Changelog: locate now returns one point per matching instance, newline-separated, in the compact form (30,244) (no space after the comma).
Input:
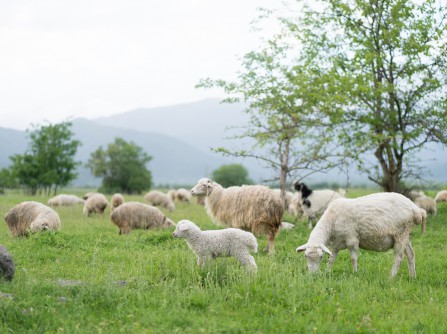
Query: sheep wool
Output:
(208,245)
(7,268)
(116,200)
(31,216)
(134,215)
(158,198)
(426,203)
(96,203)
(65,200)
(441,196)
(183,195)
(377,222)
(257,209)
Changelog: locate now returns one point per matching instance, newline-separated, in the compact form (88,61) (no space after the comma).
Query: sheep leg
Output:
(398,256)
(353,251)
(332,259)
(410,257)
(271,243)
(201,260)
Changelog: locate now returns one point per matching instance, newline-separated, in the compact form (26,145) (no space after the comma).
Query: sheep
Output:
(33,217)
(441,196)
(96,203)
(287,226)
(295,208)
(183,195)
(116,200)
(208,245)
(134,215)
(413,194)
(201,200)
(314,202)
(376,222)
(63,199)
(426,203)
(252,208)
(7,268)
(157,198)
(171,194)
(89,194)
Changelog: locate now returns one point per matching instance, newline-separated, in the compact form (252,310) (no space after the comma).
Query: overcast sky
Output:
(90,58)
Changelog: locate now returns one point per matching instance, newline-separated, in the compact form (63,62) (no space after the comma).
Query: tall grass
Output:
(149,282)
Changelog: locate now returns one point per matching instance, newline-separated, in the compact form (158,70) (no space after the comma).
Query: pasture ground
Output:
(88,279)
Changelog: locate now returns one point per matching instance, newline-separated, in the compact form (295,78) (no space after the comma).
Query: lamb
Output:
(157,198)
(183,195)
(96,203)
(426,203)
(295,208)
(134,215)
(63,199)
(171,194)
(31,217)
(7,268)
(314,202)
(376,222)
(441,196)
(116,201)
(89,194)
(252,208)
(208,245)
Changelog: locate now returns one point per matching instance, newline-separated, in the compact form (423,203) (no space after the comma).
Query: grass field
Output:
(149,282)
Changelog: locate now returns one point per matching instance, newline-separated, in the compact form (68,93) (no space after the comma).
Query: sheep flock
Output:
(378,222)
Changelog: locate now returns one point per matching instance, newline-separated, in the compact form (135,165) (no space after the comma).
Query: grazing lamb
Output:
(257,209)
(96,203)
(89,194)
(314,202)
(64,199)
(157,198)
(183,195)
(7,268)
(208,245)
(33,217)
(413,194)
(116,201)
(426,203)
(441,196)
(376,222)
(134,215)
(171,194)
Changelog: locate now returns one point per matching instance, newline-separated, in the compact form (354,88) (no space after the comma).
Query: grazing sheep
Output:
(64,199)
(96,203)
(116,201)
(171,194)
(7,268)
(257,209)
(288,197)
(33,217)
(376,222)
(157,198)
(134,215)
(208,245)
(295,208)
(89,194)
(426,203)
(287,226)
(413,194)
(441,196)
(314,202)
(183,195)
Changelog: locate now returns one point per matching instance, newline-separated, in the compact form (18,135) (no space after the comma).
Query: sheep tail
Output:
(421,219)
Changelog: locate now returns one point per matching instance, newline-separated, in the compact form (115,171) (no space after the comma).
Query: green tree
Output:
(7,179)
(231,175)
(122,167)
(384,65)
(49,162)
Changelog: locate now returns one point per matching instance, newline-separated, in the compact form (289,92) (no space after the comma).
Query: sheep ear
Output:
(183,227)
(325,249)
(302,248)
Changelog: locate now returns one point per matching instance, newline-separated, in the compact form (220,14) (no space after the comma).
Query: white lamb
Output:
(208,245)
(65,200)
(441,196)
(314,202)
(376,222)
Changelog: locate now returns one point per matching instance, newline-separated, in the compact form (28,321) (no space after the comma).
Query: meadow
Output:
(88,279)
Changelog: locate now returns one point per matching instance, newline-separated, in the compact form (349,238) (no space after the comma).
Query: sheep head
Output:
(202,188)
(168,223)
(183,228)
(314,254)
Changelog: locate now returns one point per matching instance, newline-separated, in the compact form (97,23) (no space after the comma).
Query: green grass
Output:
(149,282)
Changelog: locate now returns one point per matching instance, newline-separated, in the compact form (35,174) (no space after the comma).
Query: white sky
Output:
(91,58)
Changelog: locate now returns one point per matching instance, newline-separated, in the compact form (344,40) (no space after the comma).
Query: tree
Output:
(49,162)
(122,167)
(384,64)
(231,175)
(7,180)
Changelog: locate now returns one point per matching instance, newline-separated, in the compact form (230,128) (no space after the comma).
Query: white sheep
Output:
(134,215)
(96,203)
(116,200)
(158,198)
(183,195)
(287,226)
(376,222)
(208,245)
(31,216)
(65,200)
(314,202)
(295,208)
(426,203)
(441,196)
(252,208)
